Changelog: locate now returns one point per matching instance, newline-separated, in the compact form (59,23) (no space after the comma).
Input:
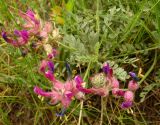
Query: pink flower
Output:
(133,85)
(46,30)
(128,96)
(117,92)
(21,38)
(32,23)
(47,68)
(52,54)
(61,92)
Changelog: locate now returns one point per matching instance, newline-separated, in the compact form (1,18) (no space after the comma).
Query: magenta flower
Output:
(21,38)
(32,23)
(117,92)
(133,85)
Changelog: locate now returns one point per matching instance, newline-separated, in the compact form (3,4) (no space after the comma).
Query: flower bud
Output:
(128,96)
(132,85)
(117,92)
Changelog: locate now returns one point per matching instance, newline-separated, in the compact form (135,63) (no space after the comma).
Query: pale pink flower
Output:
(128,96)
(133,85)
(46,30)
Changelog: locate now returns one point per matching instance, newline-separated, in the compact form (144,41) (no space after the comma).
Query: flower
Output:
(126,104)
(61,92)
(133,85)
(46,30)
(117,92)
(32,23)
(21,38)
(128,96)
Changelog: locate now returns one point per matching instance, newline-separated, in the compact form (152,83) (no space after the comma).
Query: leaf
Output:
(146,90)
(118,71)
(70,5)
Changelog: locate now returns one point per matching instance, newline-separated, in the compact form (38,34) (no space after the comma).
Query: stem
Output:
(97,17)
(150,69)
(102,109)
(67,47)
(85,76)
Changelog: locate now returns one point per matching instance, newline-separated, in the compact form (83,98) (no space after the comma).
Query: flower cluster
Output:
(102,83)
(62,92)
(107,82)
(32,27)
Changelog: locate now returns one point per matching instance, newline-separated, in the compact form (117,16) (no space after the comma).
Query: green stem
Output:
(150,69)
(97,17)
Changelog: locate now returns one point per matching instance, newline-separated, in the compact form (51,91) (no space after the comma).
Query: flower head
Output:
(133,85)
(61,92)
(32,23)
(128,96)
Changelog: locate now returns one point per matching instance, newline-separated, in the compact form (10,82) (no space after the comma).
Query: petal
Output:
(127,104)
(30,14)
(78,79)
(46,29)
(58,85)
(43,66)
(117,92)
(49,75)
(115,83)
(100,91)
(51,66)
(39,91)
(107,70)
(134,76)
(66,101)
(79,82)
